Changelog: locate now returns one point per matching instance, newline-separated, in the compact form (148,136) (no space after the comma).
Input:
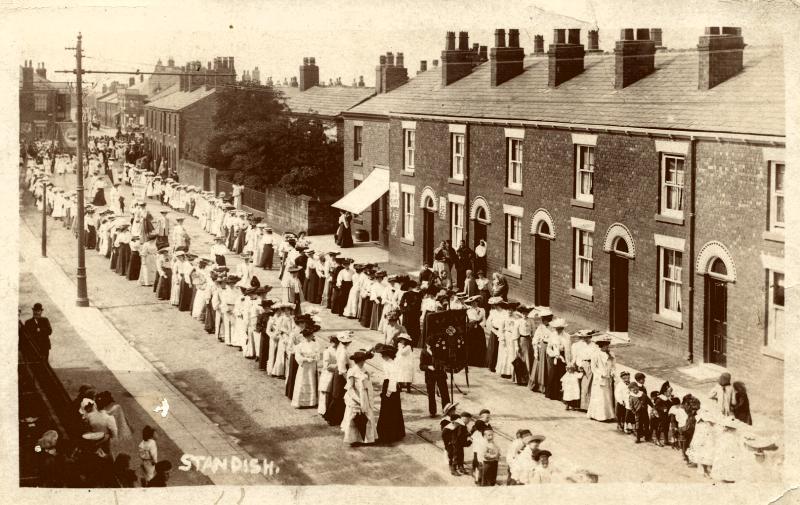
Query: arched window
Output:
(430,204)
(718,268)
(480,214)
(544,228)
(621,246)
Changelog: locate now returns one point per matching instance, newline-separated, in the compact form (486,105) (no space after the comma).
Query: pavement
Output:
(251,411)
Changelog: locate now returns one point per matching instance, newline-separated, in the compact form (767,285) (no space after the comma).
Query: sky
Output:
(347,37)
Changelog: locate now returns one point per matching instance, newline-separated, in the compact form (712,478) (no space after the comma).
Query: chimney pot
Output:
(513,37)
(476,48)
(712,30)
(450,41)
(389,59)
(626,34)
(305,61)
(574,36)
(423,66)
(655,36)
(399,61)
(726,30)
(311,60)
(538,44)
(642,34)
(594,41)
(463,41)
(435,63)
(382,60)
(559,36)
(360,81)
(484,54)
(500,38)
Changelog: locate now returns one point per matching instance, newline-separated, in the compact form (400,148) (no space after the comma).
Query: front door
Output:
(375,219)
(716,321)
(542,268)
(427,236)
(479,234)
(618,316)
(385,220)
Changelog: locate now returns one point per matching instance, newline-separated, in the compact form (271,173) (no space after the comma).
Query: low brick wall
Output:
(198,175)
(286,212)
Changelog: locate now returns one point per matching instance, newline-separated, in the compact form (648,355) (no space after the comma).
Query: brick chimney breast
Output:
(633,59)
(394,75)
(720,55)
(463,41)
(506,62)
(309,74)
(656,36)
(456,63)
(565,59)
(423,66)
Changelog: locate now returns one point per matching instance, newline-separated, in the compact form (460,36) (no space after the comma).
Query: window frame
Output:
(513,222)
(662,309)
(579,258)
(409,149)
(38,100)
(408,200)
(774,194)
(358,142)
(512,164)
(456,228)
(457,159)
(771,329)
(580,170)
(666,186)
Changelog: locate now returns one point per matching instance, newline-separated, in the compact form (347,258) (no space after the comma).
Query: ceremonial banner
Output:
(68,136)
(447,332)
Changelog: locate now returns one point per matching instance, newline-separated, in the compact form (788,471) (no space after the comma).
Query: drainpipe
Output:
(692,184)
(466,186)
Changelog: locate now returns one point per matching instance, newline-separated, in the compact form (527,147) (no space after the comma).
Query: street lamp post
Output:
(83,298)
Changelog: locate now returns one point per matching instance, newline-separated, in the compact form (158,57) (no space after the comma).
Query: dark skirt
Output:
(164,285)
(334,409)
(134,265)
(210,320)
(312,285)
(123,259)
(231,239)
(185,297)
(91,238)
(491,352)
(263,351)
(331,294)
(377,312)
(366,312)
(344,236)
(155,282)
(291,375)
(553,383)
(99,199)
(114,258)
(266,257)
(411,323)
(320,289)
(342,293)
(476,345)
(391,427)
(220,259)
(239,245)
(194,294)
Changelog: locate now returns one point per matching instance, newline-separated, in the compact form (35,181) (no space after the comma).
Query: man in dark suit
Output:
(38,329)
(435,378)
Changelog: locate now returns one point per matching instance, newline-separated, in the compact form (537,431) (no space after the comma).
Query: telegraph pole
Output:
(83,298)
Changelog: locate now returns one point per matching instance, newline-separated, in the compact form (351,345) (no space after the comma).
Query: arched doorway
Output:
(716,312)
(618,299)
(479,228)
(428,220)
(541,260)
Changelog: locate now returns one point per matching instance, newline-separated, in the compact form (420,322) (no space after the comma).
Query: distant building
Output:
(42,103)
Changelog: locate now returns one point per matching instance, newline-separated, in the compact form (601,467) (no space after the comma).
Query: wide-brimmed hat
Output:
(361,355)
(495,300)
(450,406)
(558,323)
(539,454)
(345,337)
(405,337)
(293,269)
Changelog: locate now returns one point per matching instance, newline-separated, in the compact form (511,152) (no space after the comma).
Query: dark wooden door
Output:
(385,219)
(375,221)
(479,233)
(618,309)
(542,268)
(427,236)
(716,320)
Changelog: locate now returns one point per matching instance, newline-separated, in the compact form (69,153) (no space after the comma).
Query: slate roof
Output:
(327,101)
(41,84)
(181,99)
(163,93)
(751,102)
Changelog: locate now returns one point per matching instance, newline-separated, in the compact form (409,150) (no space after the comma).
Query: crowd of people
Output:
(519,343)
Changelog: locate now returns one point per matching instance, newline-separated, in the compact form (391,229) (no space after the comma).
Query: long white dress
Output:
(325,377)
(359,397)
(241,318)
(351,308)
(305,383)
(405,364)
(601,402)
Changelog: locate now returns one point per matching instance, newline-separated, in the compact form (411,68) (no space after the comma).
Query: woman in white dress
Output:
(305,383)
(601,401)
(405,362)
(351,307)
(148,253)
(326,375)
(275,329)
(284,334)
(359,399)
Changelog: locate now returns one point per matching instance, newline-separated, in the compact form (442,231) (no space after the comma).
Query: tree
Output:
(258,141)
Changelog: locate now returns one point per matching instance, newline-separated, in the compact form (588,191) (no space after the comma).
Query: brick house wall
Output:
(374,151)
(196,127)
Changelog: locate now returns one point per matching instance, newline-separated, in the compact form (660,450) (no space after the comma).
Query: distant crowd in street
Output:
(519,343)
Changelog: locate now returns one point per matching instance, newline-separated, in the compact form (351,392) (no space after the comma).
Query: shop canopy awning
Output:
(373,187)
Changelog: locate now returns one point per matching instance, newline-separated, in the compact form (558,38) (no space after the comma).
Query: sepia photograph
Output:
(413,248)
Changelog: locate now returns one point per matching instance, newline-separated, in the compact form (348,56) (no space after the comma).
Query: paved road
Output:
(251,408)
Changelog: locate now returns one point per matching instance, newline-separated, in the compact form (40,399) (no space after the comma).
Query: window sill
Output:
(358,163)
(406,241)
(583,295)
(358,221)
(668,321)
(772,353)
(773,236)
(667,219)
(581,203)
(512,191)
(512,273)
(407,173)
(457,182)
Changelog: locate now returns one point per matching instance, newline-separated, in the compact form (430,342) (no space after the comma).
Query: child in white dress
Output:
(570,384)
(404,362)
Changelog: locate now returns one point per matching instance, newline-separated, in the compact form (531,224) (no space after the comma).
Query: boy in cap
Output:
(622,399)
(448,426)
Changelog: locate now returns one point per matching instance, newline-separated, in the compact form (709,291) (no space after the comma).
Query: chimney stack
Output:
(456,63)
(594,42)
(720,54)
(565,58)
(132,81)
(483,54)
(655,36)
(293,82)
(506,62)
(171,62)
(538,45)
(309,74)
(360,81)
(435,63)
(41,71)
(141,77)
(182,80)
(395,74)
(27,75)
(633,59)
(379,70)
(423,66)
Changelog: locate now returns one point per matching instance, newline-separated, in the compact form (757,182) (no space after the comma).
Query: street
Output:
(251,409)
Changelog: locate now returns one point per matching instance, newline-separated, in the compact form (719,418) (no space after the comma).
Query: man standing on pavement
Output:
(39,330)
(435,377)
